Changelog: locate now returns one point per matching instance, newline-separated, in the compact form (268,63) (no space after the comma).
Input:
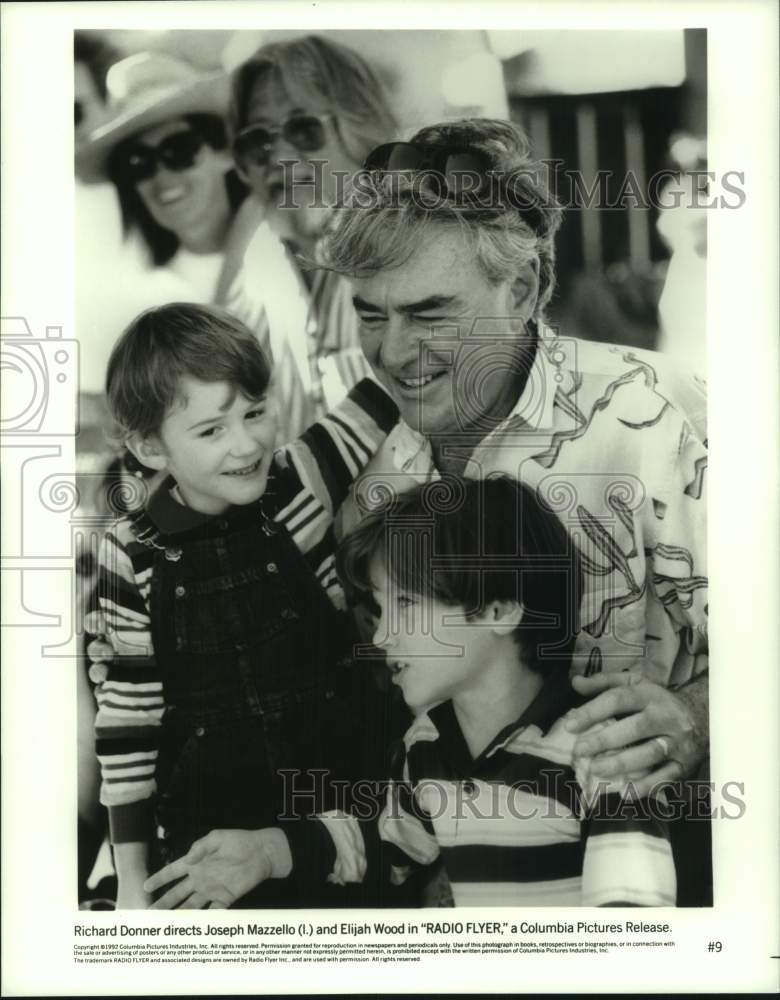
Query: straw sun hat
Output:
(144,90)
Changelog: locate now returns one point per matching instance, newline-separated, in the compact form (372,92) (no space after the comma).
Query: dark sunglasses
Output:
(252,146)
(177,152)
(456,168)
(457,173)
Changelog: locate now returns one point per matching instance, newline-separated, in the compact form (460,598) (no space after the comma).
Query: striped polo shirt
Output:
(520,824)
(309,479)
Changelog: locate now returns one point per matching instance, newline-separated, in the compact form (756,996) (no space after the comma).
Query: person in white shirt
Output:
(163,145)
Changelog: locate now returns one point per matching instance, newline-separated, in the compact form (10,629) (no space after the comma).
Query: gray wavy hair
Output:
(382,222)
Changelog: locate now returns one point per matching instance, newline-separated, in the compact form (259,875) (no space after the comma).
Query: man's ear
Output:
(525,290)
(504,616)
(148,450)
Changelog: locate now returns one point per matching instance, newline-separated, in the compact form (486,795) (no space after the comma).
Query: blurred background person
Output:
(93,57)
(682,224)
(317,105)
(164,147)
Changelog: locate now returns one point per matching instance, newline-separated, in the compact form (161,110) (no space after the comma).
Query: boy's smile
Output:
(218,445)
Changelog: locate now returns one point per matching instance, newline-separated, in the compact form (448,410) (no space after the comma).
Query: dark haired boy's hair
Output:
(468,543)
(162,345)
(162,243)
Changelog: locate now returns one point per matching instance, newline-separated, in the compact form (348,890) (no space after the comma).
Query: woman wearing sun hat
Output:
(164,147)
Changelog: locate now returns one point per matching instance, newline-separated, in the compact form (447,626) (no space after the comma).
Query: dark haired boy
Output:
(220,598)
(476,586)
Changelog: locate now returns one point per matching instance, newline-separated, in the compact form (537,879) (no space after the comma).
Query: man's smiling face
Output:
(445,342)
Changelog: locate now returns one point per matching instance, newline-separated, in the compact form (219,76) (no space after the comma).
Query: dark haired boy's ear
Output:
(148,450)
(525,290)
(504,616)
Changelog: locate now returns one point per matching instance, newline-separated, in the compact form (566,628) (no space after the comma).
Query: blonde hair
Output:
(320,72)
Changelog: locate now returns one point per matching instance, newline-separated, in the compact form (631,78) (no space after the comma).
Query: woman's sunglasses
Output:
(177,152)
(252,146)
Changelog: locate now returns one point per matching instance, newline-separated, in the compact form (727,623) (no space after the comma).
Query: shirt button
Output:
(180,591)
(179,642)
(469,787)
(200,731)
(222,524)
(272,567)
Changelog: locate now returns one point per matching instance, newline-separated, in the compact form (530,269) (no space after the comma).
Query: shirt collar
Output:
(554,699)
(535,404)
(173,517)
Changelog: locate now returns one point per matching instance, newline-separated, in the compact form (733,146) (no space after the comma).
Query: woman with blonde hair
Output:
(304,114)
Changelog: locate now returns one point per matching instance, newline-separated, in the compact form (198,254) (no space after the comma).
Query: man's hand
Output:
(219,869)
(660,735)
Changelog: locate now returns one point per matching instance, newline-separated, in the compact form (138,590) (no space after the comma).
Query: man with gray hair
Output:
(448,242)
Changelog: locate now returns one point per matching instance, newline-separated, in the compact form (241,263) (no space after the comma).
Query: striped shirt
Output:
(310,478)
(520,825)
(614,440)
(306,324)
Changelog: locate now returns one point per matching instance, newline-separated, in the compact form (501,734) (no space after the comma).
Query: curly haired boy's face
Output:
(217,444)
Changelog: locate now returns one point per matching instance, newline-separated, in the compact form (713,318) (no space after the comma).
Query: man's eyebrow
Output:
(364,306)
(409,308)
(427,305)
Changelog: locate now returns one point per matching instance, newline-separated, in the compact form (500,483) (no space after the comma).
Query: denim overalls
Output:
(249,644)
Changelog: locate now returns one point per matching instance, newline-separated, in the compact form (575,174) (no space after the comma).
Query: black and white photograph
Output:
(375,441)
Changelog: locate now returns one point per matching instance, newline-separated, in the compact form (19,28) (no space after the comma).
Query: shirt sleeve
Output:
(677,553)
(403,837)
(332,453)
(408,829)
(129,696)
(315,473)
(627,858)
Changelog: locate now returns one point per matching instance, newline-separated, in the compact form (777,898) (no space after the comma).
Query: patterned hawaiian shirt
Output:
(614,440)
